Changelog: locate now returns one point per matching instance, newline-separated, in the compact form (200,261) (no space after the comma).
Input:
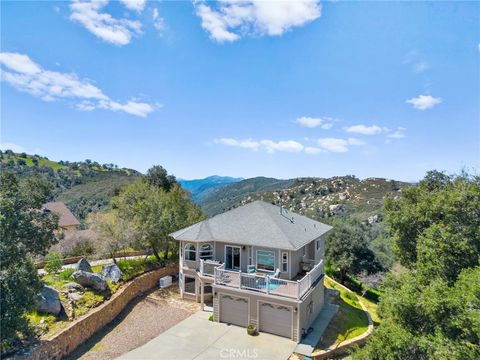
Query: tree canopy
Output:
(347,250)
(433,310)
(25,231)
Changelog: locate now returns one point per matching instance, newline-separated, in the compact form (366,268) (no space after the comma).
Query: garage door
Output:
(276,319)
(234,310)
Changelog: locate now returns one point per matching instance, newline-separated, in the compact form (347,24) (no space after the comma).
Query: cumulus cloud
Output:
(310,122)
(338,145)
(22,73)
(268,145)
(135,5)
(103,25)
(287,146)
(245,144)
(424,102)
(230,20)
(364,129)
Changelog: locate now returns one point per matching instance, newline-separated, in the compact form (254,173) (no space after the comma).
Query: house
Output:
(66,220)
(259,264)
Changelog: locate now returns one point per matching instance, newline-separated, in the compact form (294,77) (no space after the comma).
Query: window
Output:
(265,260)
(190,252)
(318,244)
(284,261)
(206,252)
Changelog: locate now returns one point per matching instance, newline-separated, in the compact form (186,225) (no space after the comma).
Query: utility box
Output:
(165,282)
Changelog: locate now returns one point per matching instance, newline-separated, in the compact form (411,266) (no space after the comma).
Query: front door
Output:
(232,257)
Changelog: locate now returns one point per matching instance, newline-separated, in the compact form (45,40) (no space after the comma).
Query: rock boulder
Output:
(83,265)
(72,287)
(112,272)
(48,301)
(89,279)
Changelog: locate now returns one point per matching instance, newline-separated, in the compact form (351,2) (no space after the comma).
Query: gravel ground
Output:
(142,320)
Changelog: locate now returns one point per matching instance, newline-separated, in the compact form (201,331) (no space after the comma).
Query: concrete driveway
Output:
(198,338)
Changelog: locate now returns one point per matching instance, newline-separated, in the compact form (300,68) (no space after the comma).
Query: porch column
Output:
(202,302)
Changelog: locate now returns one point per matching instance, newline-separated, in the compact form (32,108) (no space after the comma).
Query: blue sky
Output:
(281,89)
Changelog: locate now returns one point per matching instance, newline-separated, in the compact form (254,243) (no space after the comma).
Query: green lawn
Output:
(350,320)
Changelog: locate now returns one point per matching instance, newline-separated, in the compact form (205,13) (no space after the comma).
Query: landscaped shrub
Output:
(54,262)
(133,267)
(82,248)
(65,274)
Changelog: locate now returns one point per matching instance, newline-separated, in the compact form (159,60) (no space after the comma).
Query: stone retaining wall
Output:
(345,346)
(64,342)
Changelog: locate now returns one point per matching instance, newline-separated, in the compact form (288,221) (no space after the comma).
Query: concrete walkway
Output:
(308,344)
(198,338)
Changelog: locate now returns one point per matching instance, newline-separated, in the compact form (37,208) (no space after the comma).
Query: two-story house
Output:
(261,264)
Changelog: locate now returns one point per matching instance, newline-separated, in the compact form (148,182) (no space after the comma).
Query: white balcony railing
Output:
(207,267)
(267,284)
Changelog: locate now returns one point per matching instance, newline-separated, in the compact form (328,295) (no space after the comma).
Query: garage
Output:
(234,310)
(276,319)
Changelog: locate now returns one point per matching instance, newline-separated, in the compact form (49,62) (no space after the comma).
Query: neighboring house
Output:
(66,220)
(261,264)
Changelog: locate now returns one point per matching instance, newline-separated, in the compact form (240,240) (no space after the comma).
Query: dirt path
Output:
(142,320)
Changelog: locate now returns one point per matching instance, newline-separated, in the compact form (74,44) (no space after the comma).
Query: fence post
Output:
(201,266)
(240,279)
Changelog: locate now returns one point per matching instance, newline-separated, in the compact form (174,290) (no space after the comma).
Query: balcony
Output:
(267,284)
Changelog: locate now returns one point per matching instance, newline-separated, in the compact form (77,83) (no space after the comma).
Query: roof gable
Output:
(257,223)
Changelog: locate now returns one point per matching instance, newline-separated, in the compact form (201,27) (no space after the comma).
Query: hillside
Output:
(345,195)
(199,188)
(84,186)
(219,199)
(314,197)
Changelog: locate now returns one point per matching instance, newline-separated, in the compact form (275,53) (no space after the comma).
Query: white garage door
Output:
(276,319)
(234,310)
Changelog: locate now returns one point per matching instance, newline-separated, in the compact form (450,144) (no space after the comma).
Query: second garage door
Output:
(233,310)
(276,319)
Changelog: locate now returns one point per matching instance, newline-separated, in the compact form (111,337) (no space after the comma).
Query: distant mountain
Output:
(221,198)
(199,188)
(315,197)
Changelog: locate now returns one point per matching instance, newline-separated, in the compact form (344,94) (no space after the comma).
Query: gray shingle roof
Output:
(66,218)
(257,223)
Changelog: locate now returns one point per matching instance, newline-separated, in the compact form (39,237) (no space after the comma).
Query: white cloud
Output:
(416,61)
(14,147)
(287,146)
(306,121)
(158,21)
(25,75)
(424,102)
(333,144)
(231,20)
(245,144)
(338,145)
(135,5)
(397,134)
(268,145)
(313,150)
(292,146)
(364,129)
(103,25)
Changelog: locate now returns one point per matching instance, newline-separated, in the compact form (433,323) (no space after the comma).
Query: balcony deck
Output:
(268,284)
